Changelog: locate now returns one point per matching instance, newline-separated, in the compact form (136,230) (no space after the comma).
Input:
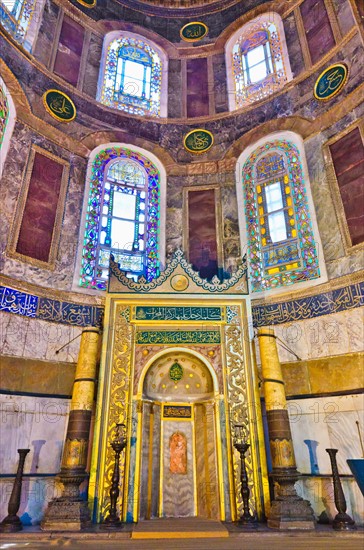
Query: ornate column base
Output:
(68,512)
(288,510)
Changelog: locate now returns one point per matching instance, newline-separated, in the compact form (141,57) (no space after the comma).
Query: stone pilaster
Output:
(288,510)
(70,511)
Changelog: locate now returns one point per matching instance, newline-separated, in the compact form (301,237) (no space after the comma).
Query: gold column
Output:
(288,510)
(69,511)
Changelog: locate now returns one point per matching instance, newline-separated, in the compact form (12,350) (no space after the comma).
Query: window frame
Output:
(235,70)
(105,94)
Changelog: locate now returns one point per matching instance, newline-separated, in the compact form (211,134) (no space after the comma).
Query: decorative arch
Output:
(117,171)
(279,225)
(177,349)
(133,75)
(7,122)
(257,60)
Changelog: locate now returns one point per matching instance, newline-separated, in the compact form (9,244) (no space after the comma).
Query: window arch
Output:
(133,75)
(21,18)
(7,121)
(122,217)
(257,61)
(280,226)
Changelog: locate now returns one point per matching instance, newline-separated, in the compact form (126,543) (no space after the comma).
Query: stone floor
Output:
(324,538)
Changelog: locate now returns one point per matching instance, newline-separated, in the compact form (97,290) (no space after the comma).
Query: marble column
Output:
(70,511)
(288,510)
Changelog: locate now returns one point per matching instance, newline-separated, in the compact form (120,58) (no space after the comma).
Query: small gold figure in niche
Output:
(178,453)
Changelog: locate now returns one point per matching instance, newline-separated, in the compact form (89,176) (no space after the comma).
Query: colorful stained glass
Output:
(4,114)
(122,217)
(15,16)
(281,243)
(258,67)
(133,77)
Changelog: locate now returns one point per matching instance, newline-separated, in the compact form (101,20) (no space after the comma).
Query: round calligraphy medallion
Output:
(87,3)
(179,282)
(59,105)
(331,81)
(176,372)
(193,31)
(198,141)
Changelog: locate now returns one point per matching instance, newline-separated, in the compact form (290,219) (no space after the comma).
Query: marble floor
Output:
(323,538)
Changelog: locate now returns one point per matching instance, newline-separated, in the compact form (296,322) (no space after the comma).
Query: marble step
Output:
(188,528)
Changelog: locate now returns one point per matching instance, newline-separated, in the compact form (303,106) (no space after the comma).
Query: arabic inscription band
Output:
(193,31)
(59,105)
(198,141)
(331,81)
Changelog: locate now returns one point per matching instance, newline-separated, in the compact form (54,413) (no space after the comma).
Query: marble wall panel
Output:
(326,422)
(36,339)
(334,334)
(35,495)
(35,423)
(92,66)
(178,492)
(62,276)
(320,493)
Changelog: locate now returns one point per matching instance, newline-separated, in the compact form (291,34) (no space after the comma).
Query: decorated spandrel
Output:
(122,217)
(132,79)
(15,16)
(198,141)
(4,114)
(331,81)
(257,63)
(193,31)
(282,249)
(59,105)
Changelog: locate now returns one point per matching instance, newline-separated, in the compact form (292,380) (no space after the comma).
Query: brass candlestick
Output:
(247,520)
(112,521)
(342,520)
(12,522)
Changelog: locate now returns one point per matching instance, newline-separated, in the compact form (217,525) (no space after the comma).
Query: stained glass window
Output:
(15,16)
(257,62)
(132,77)
(4,114)
(122,217)
(281,243)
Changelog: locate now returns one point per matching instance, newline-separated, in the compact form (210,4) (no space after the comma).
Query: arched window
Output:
(7,121)
(133,74)
(19,18)
(283,244)
(257,60)
(122,217)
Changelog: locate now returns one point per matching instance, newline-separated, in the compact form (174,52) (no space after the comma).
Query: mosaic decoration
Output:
(15,17)
(95,259)
(237,284)
(133,77)
(47,309)
(341,299)
(194,31)
(331,81)
(4,114)
(294,258)
(198,141)
(178,337)
(176,372)
(59,105)
(166,313)
(249,87)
